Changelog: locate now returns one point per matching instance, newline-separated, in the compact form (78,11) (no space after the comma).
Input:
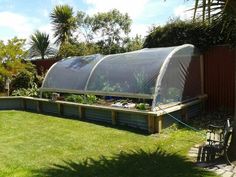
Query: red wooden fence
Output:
(43,65)
(219,78)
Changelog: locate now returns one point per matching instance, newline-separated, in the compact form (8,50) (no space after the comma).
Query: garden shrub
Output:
(22,80)
(33,91)
(178,32)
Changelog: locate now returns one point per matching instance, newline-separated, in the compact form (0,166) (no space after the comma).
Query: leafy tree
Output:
(177,32)
(40,45)
(64,23)
(112,27)
(85,26)
(12,55)
(77,49)
(135,43)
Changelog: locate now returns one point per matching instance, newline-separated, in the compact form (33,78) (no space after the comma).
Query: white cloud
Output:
(21,26)
(133,7)
(139,29)
(49,30)
(183,12)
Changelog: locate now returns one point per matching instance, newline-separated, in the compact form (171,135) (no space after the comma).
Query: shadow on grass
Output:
(128,164)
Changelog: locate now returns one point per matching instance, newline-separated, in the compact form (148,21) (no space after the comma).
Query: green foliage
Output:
(84,99)
(178,32)
(12,55)
(22,80)
(33,91)
(142,106)
(110,27)
(140,79)
(135,43)
(74,98)
(77,49)
(64,23)
(40,45)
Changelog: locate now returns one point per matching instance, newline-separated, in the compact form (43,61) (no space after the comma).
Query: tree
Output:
(40,45)
(135,43)
(12,55)
(112,27)
(85,26)
(64,23)
(77,49)
(177,32)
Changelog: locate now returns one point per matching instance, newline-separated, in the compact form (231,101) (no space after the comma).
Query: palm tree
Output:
(40,45)
(215,9)
(64,23)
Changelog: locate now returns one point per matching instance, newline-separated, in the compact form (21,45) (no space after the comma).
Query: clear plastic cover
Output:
(71,73)
(134,72)
(169,74)
(182,78)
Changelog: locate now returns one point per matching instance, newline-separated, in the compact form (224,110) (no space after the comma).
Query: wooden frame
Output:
(152,122)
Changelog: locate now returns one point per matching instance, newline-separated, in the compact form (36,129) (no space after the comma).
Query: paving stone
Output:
(227,174)
(234,170)
(195,149)
(192,155)
(228,168)
(221,166)
(219,171)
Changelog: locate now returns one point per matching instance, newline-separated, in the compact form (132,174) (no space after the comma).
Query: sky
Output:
(22,18)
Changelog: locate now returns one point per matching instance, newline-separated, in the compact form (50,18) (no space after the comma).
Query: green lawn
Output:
(38,145)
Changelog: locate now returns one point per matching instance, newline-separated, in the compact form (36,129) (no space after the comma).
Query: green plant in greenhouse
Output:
(74,98)
(142,106)
(140,79)
(89,99)
(84,99)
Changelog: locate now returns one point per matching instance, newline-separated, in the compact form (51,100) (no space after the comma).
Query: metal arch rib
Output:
(90,75)
(163,70)
(46,77)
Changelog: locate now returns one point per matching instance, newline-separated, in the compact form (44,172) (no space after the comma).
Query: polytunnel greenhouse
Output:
(162,75)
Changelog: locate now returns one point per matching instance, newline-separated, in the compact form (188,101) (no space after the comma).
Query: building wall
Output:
(219,78)
(43,65)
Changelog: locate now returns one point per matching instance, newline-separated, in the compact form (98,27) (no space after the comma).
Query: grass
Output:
(38,145)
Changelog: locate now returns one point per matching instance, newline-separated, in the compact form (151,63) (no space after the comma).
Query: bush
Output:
(178,32)
(33,91)
(22,80)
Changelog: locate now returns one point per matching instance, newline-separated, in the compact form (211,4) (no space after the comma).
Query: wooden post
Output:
(159,122)
(81,112)
(184,115)
(38,106)
(23,104)
(151,124)
(60,109)
(113,117)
